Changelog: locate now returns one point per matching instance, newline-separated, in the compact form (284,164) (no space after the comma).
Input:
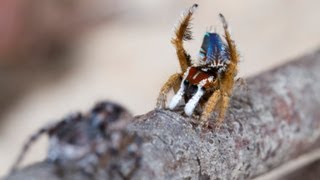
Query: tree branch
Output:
(308,172)
(274,121)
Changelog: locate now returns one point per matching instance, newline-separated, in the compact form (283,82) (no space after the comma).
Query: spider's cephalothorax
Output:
(208,81)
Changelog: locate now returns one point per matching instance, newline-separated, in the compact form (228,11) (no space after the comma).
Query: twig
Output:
(276,120)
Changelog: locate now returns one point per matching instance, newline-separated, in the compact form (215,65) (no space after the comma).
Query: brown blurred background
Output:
(61,56)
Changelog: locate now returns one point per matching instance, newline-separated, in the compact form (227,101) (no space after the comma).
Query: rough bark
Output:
(275,120)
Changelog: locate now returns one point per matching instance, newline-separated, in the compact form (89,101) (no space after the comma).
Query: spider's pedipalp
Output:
(193,102)
(177,97)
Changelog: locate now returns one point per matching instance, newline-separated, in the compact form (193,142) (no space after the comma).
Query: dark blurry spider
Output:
(97,143)
(209,80)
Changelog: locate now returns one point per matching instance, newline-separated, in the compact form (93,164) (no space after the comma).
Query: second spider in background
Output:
(208,81)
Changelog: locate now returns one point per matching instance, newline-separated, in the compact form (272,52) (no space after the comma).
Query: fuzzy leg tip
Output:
(159,106)
(223,20)
(193,7)
(204,124)
(217,126)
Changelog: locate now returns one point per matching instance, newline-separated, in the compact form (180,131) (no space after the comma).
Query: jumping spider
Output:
(98,143)
(209,80)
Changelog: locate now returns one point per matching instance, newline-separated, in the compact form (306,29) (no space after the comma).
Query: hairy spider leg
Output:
(171,82)
(229,75)
(234,56)
(183,33)
(44,130)
(227,80)
(209,107)
(224,106)
(28,144)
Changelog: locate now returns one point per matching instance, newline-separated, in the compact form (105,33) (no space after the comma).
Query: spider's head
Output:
(213,50)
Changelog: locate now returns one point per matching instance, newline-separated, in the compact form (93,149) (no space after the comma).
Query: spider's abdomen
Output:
(214,51)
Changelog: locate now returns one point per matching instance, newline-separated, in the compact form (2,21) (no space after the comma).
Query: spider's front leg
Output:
(29,143)
(182,33)
(171,82)
(51,128)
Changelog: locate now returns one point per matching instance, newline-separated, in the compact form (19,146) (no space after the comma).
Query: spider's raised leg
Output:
(28,144)
(171,82)
(44,130)
(183,33)
(226,82)
(234,56)
(209,107)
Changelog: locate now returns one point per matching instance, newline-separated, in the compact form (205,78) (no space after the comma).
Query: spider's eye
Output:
(186,82)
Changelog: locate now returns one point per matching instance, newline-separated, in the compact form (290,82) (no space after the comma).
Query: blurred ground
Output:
(128,58)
